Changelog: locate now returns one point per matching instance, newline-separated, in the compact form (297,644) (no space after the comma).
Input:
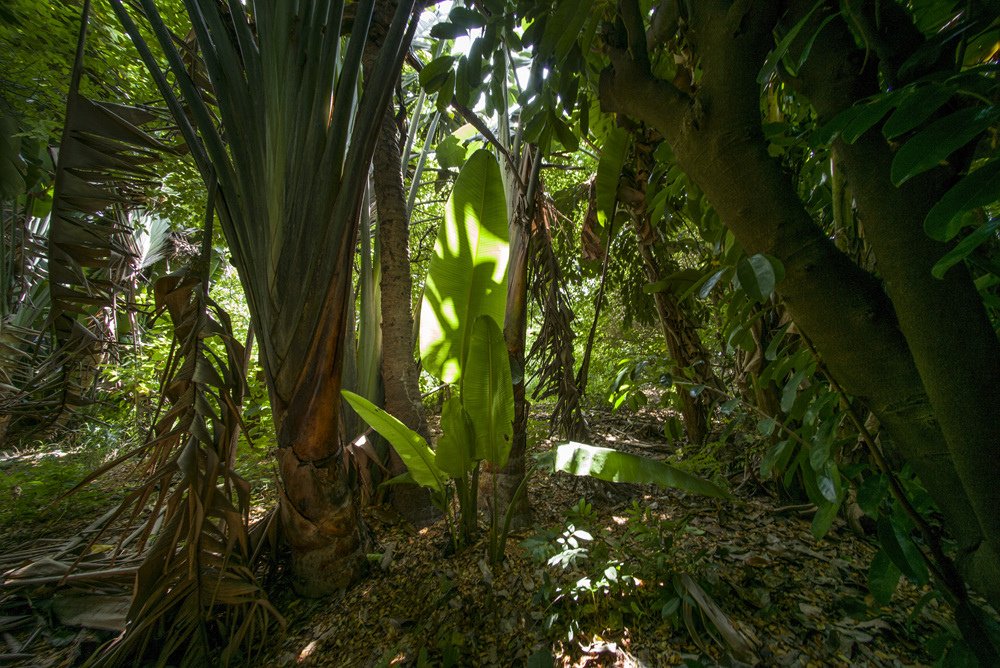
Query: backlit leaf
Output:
(488,393)
(616,466)
(609,171)
(456,449)
(467,274)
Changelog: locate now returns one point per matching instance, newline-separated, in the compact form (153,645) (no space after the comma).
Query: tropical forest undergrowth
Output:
(606,575)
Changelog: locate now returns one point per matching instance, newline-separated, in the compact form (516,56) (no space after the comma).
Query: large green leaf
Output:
(467,275)
(609,171)
(916,108)
(456,449)
(883,577)
(411,447)
(616,466)
(964,248)
(758,276)
(939,140)
(854,121)
(782,47)
(488,393)
(564,28)
(901,551)
(979,188)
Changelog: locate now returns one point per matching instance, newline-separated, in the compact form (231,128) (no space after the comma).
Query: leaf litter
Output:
(773,595)
(792,600)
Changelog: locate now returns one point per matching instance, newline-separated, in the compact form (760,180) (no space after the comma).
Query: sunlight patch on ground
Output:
(307,651)
(32,457)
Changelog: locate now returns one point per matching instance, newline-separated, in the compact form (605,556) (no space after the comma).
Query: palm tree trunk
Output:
(320,518)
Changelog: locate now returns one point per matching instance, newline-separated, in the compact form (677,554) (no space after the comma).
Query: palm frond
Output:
(292,184)
(196,597)
(102,174)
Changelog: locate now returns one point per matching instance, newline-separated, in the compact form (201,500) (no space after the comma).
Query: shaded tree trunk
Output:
(717,138)
(400,372)
(945,325)
(686,351)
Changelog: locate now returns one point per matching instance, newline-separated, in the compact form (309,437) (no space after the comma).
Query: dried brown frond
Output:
(553,347)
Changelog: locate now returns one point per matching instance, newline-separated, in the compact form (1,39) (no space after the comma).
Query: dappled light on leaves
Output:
(705,364)
(467,274)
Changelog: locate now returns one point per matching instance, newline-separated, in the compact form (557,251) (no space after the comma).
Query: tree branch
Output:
(664,23)
(628,86)
(636,35)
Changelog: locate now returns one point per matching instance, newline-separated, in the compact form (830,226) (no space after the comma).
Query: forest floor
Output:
(591,583)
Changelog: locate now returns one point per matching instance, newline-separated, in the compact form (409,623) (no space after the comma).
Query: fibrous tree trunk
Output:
(320,519)
(716,136)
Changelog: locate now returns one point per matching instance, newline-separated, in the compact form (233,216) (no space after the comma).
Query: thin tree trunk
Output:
(522,209)
(688,354)
(686,350)
(510,477)
(583,375)
(399,367)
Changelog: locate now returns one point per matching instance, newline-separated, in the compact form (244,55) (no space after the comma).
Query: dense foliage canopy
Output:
(769,227)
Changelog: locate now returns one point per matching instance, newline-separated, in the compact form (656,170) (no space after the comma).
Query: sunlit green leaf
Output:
(435,73)
(616,466)
(408,444)
(467,274)
(488,393)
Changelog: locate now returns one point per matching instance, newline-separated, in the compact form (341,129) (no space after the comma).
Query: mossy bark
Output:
(953,344)
(716,135)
